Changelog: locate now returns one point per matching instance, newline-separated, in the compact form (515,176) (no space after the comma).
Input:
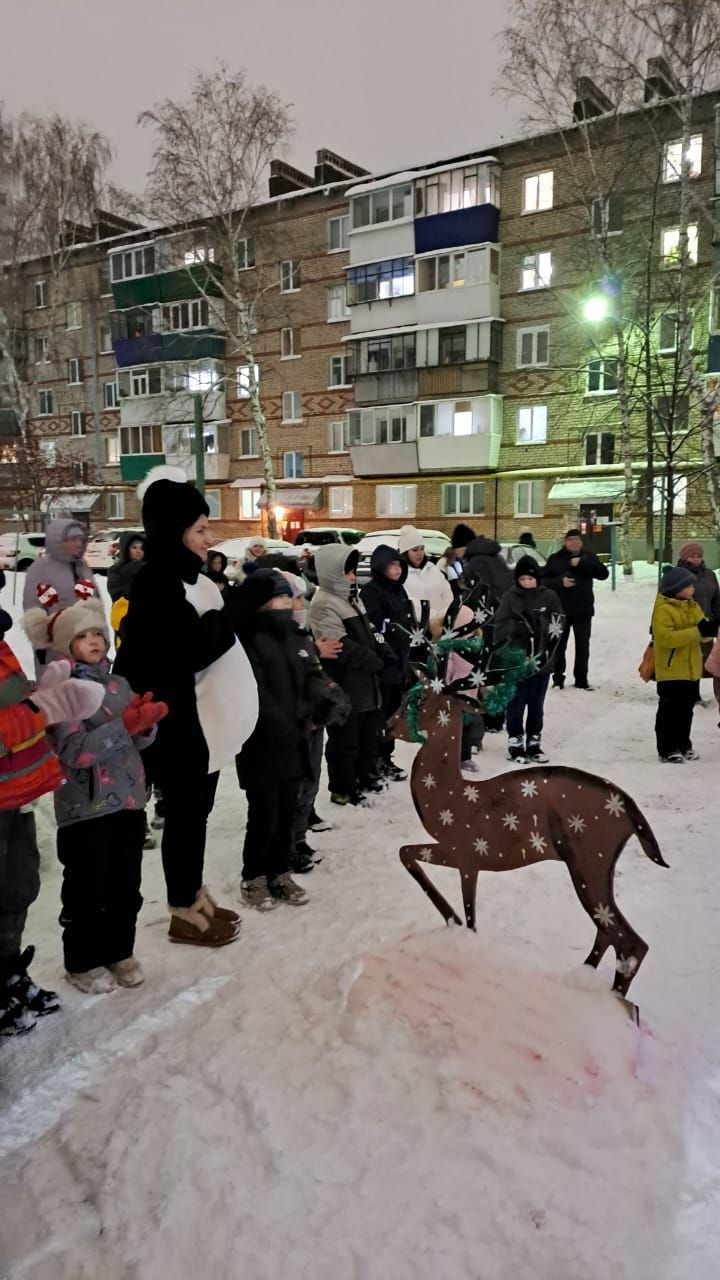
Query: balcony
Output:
(179,442)
(441,435)
(153,347)
(713,360)
(135,466)
(168,286)
(171,406)
(385,459)
(386,388)
(479,377)
(460,453)
(477,225)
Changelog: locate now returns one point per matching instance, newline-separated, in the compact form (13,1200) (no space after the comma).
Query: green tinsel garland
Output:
(516,667)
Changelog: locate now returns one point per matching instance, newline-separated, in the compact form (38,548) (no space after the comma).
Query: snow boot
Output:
(535,753)
(316,823)
(284,889)
(127,973)
(469,766)
(373,786)
(392,772)
(194,926)
(20,985)
(673,757)
(558,682)
(15,1019)
(94,982)
(302,859)
(256,894)
(516,751)
(690,754)
(210,908)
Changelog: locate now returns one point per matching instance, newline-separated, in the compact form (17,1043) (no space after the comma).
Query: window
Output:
(110,395)
(244,380)
(77,422)
(289,276)
(248,504)
(452,345)
(340,501)
(529,497)
(213,497)
(531,424)
(538,192)
(104,278)
(73,315)
(395,499)
(463,499)
(42,350)
(246,254)
(602,375)
(289,344)
(383,354)
(39,293)
(715,309)
(48,452)
(199,252)
(337,307)
(105,337)
(181,316)
(116,506)
(293,465)
(391,424)
(46,403)
(448,418)
(462,188)
(74,371)
(291,406)
(377,281)
(140,382)
(338,371)
(337,234)
(671,245)
(667,332)
(674,160)
(536,271)
(533,347)
(607,216)
(132,262)
(112,451)
(680,488)
(338,437)
(599,449)
(248,442)
(203,377)
(382,206)
(452,270)
(147,439)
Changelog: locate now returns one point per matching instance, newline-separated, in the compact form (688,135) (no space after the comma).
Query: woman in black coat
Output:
(391,613)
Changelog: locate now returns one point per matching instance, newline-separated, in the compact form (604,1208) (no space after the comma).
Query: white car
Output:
(19,550)
(236,551)
(435,543)
(102,548)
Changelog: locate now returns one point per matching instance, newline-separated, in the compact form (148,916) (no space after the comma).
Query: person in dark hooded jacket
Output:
(484,566)
(529,618)
(391,613)
(215,569)
(128,561)
(571,572)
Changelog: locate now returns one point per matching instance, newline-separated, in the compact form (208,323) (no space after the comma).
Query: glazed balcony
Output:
(151,348)
(195,281)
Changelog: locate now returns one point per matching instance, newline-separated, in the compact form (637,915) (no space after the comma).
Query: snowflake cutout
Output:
(576,824)
(425,855)
(448,631)
(538,842)
(528,789)
(447,818)
(603,915)
(510,821)
(471,793)
(626,967)
(417,636)
(481,614)
(615,805)
(481,846)
(443,718)
(437,685)
(478,678)
(555,629)
(429,781)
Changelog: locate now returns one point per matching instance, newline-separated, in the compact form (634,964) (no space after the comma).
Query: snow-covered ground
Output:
(355,1092)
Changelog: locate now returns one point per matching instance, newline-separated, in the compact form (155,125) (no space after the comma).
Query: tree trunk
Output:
(626,450)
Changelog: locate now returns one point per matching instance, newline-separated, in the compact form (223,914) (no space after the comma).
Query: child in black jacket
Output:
(391,613)
(529,618)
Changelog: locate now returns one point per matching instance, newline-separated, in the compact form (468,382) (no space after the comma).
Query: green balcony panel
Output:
(135,466)
(167,286)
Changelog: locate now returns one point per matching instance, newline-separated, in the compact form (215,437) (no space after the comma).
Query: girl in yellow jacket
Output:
(678,627)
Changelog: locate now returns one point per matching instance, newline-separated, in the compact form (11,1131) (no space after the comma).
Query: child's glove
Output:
(59,698)
(84,589)
(142,713)
(47,595)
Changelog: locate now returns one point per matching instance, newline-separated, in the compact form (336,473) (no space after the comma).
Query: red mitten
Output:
(141,716)
(47,595)
(84,589)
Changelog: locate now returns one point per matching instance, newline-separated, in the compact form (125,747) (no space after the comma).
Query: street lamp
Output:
(596,308)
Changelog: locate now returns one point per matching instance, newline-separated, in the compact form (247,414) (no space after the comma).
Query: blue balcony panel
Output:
(154,348)
(462,226)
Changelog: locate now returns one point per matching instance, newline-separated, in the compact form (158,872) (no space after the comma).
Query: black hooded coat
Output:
(391,613)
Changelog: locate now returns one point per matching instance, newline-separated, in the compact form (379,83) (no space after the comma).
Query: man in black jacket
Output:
(390,611)
(570,573)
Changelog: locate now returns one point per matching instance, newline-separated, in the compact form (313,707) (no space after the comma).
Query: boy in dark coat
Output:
(530,618)
(336,613)
(570,573)
(390,611)
(484,566)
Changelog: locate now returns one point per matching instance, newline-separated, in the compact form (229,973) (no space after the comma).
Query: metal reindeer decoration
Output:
(514,819)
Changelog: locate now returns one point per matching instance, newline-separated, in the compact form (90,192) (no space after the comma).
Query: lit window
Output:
(395,499)
(536,271)
(248,504)
(538,192)
(671,245)
(340,501)
(531,424)
(673,158)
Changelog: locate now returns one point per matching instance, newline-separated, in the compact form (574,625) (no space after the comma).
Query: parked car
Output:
(18,550)
(435,542)
(236,551)
(321,537)
(102,548)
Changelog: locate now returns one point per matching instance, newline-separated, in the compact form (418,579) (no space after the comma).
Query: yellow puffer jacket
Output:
(676,639)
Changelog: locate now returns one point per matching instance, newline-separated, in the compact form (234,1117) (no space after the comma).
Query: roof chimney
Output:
(591,101)
(660,81)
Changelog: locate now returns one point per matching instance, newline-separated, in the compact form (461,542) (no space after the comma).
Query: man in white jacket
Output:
(424,581)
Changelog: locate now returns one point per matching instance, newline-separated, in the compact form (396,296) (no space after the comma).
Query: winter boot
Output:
(469,766)
(373,786)
(94,982)
(284,889)
(558,682)
(256,894)
(316,823)
(673,757)
(690,754)
(210,908)
(194,926)
(303,858)
(21,986)
(535,753)
(516,750)
(15,1019)
(393,772)
(127,973)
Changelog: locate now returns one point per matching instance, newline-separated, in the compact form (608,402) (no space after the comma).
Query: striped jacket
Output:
(28,766)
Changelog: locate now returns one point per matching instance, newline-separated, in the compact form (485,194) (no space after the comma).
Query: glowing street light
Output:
(596,308)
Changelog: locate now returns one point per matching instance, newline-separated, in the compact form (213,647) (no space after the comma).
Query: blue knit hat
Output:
(674,578)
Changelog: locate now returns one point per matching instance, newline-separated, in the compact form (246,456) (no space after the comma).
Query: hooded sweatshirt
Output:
(484,566)
(390,611)
(69,580)
(122,573)
(338,614)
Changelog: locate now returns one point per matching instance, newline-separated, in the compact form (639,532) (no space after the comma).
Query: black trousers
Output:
(269,840)
(352,751)
(673,722)
(391,695)
(102,866)
(581,628)
(308,787)
(186,808)
(528,697)
(19,881)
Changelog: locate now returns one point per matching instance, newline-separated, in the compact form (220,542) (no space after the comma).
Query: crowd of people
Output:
(265,672)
